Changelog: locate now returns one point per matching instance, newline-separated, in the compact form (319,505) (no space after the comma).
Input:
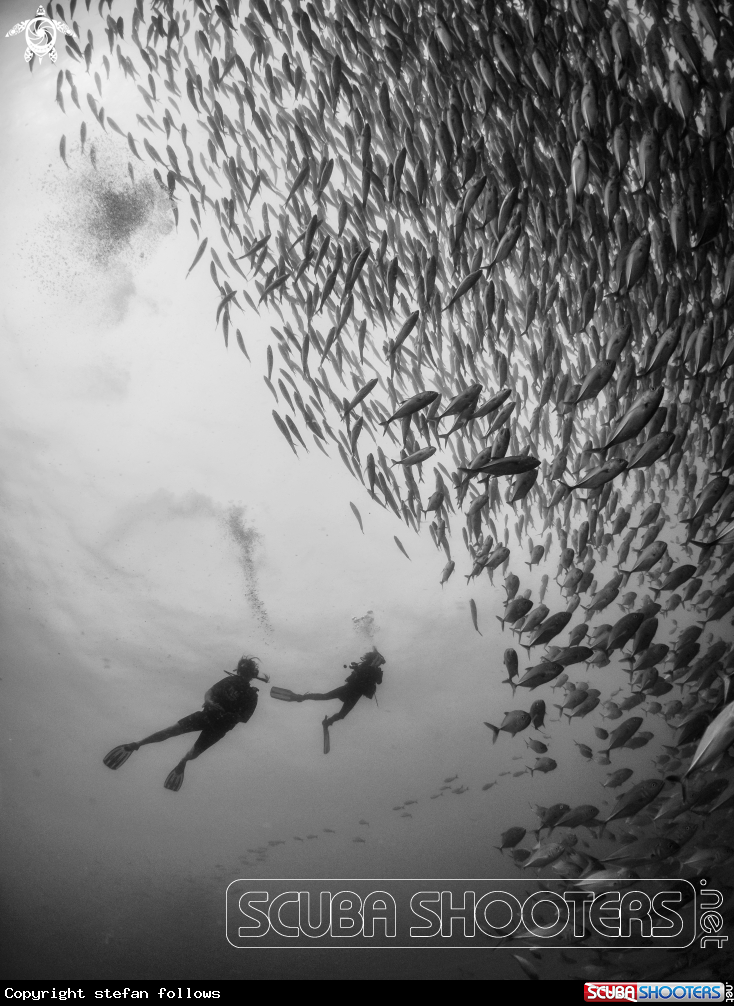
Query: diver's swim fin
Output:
(284,694)
(327,742)
(119,755)
(175,778)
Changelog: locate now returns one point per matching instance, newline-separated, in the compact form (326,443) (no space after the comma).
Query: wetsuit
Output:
(361,682)
(231,701)
(237,699)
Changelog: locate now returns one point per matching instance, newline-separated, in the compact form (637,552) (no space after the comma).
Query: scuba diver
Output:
(227,703)
(365,676)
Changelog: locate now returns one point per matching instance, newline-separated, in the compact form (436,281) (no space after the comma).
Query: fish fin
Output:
(501,621)
(676,780)
(495,731)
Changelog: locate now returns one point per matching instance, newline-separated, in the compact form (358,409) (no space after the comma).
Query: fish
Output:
(515,610)
(594,382)
(653,849)
(473,608)
(537,746)
(708,498)
(544,855)
(648,558)
(536,619)
(634,420)
(600,476)
(356,513)
(199,253)
(549,629)
(361,395)
(447,571)
(511,663)
(416,458)
(537,714)
(540,674)
(410,407)
(513,723)
(528,969)
(511,837)
(619,737)
(511,465)
(400,546)
(582,815)
(543,765)
(635,800)
(618,778)
(717,738)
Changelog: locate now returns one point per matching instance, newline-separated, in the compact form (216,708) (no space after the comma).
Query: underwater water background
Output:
(156,526)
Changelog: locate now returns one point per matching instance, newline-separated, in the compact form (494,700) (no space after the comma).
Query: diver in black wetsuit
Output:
(227,703)
(365,676)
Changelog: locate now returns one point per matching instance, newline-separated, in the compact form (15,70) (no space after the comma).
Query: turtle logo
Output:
(40,34)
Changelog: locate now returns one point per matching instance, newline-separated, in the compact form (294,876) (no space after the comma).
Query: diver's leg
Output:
(349,704)
(336,693)
(119,755)
(207,737)
(163,735)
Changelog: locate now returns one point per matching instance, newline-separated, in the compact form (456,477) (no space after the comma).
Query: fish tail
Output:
(501,621)
(495,731)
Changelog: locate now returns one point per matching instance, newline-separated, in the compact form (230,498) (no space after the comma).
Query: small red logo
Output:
(610,991)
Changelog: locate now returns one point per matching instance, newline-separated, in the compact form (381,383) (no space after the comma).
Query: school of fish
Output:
(499,234)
